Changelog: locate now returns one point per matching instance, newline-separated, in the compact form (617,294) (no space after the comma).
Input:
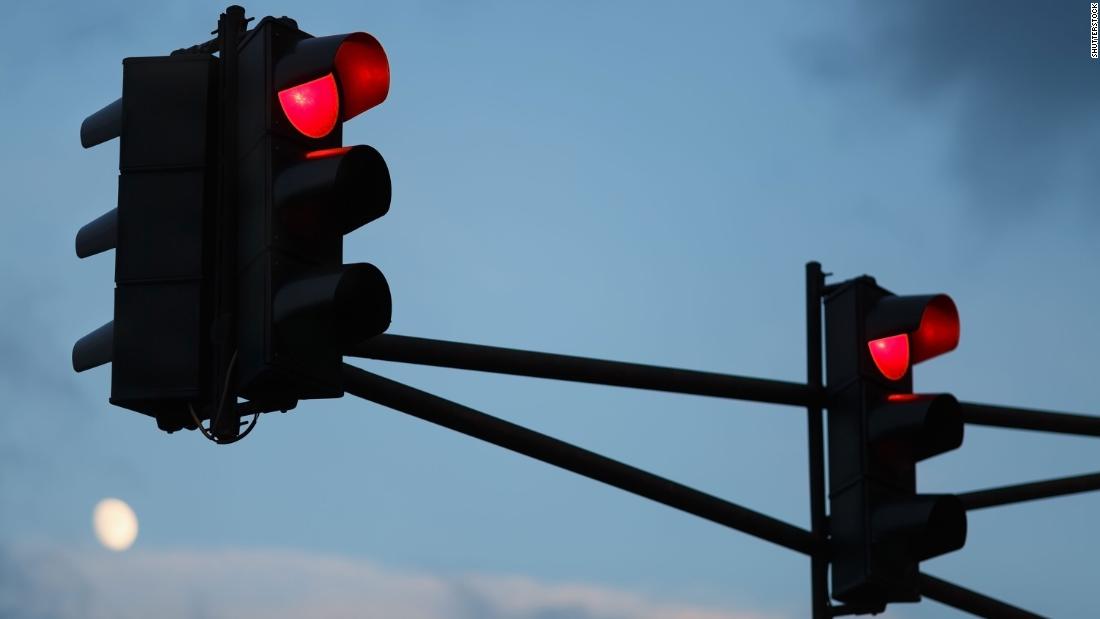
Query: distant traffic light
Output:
(881,528)
(300,191)
(158,342)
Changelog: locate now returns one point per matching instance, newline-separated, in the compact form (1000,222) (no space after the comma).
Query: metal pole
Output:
(1006,495)
(970,601)
(226,427)
(819,562)
(1028,419)
(458,355)
(572,458)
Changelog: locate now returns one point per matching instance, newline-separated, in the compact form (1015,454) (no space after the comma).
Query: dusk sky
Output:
(637,181)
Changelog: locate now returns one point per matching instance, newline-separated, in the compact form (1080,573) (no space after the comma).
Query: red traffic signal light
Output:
(891,355)
(301,190)
(904,331)
(881,528)
(323,80)
(313,107)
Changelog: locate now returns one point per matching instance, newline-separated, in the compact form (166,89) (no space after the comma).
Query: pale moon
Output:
(115,524)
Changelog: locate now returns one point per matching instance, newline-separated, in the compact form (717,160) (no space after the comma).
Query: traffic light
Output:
(158,341)
(300,190)
(235,191)
(880,527)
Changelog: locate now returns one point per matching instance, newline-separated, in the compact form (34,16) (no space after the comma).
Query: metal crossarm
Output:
(1029,419)
(970,601)
(463,356)
(505,434)
(1017,493)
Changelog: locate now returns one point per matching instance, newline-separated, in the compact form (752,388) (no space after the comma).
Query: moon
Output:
(115,524)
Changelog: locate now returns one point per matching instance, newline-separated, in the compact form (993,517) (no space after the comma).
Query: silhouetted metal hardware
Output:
(1029,419)
(970,601)
(815,442)
(158,342)
(878,430)
(1006,495)
(581,461)
(460,355)
(234,194)
(300,192)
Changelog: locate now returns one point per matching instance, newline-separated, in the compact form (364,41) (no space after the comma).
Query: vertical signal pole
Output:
(226,424)
(819,563)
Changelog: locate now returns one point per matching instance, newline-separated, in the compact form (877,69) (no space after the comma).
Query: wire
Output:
(225,388)
(210,435)
(221,406)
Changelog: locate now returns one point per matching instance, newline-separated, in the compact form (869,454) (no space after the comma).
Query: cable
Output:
(225,389)
(210,435)
(221,406)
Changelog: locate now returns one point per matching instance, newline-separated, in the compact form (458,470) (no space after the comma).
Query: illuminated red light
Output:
(313,107)
(891,355)
(939,329)
(327,152)
(364,74)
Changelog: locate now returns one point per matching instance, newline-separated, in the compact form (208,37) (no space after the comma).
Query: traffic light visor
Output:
(930,424)
(939,329)
(350,183)
(353,301)
(934,524)
(356,64)
(364,74)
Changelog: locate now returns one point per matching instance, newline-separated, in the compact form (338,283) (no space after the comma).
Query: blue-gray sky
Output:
(637,181)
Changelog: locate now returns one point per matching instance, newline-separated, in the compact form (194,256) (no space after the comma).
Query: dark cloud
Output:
(1015,76)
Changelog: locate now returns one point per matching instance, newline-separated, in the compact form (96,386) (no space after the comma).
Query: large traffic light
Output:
(235,192)
(300,191)
(880,527)
(158,342)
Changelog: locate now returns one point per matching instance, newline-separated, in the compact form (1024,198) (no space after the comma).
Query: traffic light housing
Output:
(158,340)
(235,191)
(880,527)
(300,191)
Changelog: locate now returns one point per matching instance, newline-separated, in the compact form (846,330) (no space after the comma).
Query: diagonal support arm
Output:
(970,601)
(463,356)
(505,434)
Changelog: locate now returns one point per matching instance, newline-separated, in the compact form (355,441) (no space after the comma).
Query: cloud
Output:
(273,584)
(1015,77)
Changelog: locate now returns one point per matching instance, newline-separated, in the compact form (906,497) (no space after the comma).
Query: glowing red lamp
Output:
(325,80)
(312,107)
(911,329)
(891,355)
